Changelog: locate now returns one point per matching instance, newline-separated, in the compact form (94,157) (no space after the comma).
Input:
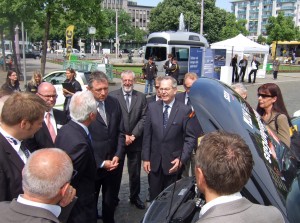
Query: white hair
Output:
(82,105)
(45,172)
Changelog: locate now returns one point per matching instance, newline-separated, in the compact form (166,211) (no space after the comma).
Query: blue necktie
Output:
(166,116)
(25,150)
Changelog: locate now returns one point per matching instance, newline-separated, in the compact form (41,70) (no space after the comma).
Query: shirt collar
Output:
(220,200)
(15,143)
(170,104)
(82,125)
(51,113)
(124,93)
(54,209)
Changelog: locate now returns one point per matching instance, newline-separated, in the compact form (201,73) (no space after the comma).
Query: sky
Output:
(224,4)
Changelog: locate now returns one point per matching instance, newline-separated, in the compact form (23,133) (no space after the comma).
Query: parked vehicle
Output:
(275,175)
(75,52)
(31,54)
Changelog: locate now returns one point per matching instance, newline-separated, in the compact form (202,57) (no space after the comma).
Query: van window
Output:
(182,54)
(158,53)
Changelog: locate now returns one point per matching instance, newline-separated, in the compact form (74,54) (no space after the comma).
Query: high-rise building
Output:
(140,15)
(257,12)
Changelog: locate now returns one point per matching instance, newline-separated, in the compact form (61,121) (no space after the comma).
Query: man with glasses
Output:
(53,120)
(134,106)
(75,139)
(43,198)
(168,138)
(157,96)
(183,97)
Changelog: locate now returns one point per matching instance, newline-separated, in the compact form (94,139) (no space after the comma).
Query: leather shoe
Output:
(138,203)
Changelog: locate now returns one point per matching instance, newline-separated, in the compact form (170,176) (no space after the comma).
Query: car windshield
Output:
(158,53)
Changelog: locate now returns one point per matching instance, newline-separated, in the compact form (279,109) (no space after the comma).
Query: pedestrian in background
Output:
(12,83)
(149,71)
(35,81)
(240,89)
(168,64)
(254,67)
(276,65)
(173,71)
(234,77)
(243,66)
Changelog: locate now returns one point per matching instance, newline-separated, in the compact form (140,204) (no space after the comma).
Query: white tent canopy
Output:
(242,45)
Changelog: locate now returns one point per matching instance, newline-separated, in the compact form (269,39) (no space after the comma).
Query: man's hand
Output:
(176,166)
(110,165)
(128,140)
(147,167)
(68,196)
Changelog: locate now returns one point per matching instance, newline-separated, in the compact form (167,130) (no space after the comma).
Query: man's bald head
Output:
(48,93)
(45,172)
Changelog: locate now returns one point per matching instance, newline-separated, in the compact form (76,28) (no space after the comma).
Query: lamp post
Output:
(111,41)
(117,37)
(201,19)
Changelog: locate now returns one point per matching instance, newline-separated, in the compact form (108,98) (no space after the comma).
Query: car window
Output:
(56,78)
(85,78)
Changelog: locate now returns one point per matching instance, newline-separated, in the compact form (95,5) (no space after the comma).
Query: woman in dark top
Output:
(36,80)
(12,83)
(71,74)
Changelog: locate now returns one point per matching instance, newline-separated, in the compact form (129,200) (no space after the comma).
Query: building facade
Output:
(257,12)
(140,15)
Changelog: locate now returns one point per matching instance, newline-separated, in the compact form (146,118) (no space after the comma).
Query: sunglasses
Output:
(264,96)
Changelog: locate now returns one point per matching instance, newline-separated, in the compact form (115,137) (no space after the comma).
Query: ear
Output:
(274,99)
(64,189)
(24,124)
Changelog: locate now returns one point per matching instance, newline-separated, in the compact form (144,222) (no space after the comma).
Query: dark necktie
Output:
(188,103)
(25,150)
(166,116)
(102,111)
(127,101)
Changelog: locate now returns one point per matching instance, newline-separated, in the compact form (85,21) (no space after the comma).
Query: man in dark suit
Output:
(133,105)
(168,138)
(22,115)
(168,64)
(108,140)
(74,139)
(233,167)
(189,79)
(39,203)
(53,120)
(155,97)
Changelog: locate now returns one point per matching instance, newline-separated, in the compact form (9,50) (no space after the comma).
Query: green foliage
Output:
(233,27)
(281,28)
(261,39)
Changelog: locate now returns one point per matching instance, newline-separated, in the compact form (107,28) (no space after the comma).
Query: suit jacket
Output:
(134,119)
(18,212)
(11,166)
(108,141)
(161,146)
(242,211)
(198,131)
(151,99)
(73,139)
(42,138)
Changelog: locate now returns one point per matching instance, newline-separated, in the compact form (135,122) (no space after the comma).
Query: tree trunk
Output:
(15,59)
(3,49)
(46,36)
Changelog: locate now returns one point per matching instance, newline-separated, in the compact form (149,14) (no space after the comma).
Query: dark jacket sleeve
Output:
(139,127)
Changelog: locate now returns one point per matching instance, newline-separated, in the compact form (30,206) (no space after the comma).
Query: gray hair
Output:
(45,172)
(97,76)
(82,105)
(240,89)
(174,82)
(127,72)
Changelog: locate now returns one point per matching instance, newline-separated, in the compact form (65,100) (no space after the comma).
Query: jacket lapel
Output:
(121,99)
(133,100)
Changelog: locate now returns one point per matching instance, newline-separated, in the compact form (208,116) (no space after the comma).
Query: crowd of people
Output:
(99,128)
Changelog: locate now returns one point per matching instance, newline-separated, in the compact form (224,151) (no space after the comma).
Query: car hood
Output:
(275,176)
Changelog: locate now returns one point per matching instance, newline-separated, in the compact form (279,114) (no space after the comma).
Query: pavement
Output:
(127,213)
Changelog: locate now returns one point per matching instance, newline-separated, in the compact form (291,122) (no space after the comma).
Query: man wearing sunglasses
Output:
(53,120)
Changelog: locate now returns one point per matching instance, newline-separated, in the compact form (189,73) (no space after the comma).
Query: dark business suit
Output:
(11,166)
(197,132)
(241,210)
(73,139)
(108,141)
(162,145)
(134,121)
(18,212)
(151,99)
(42,138)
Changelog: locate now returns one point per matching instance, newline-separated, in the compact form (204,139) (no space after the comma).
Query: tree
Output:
(261,39)
(166,17)
(233,27)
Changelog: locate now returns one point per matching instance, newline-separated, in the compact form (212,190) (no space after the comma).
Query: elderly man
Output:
(22,115)
(133,105)
(53,120)
(74,138)
(46,183)
(222,179)
(240,89)
(168,138)
(108,144)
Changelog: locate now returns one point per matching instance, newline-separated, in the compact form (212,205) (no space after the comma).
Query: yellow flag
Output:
(69,40)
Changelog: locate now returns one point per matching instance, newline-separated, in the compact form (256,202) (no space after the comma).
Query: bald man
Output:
(53,119)
(46,177)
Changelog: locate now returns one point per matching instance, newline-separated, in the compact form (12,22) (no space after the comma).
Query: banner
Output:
(195,61)
(69,40)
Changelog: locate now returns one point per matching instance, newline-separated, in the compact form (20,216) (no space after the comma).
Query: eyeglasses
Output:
(264,96)
(48,96)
